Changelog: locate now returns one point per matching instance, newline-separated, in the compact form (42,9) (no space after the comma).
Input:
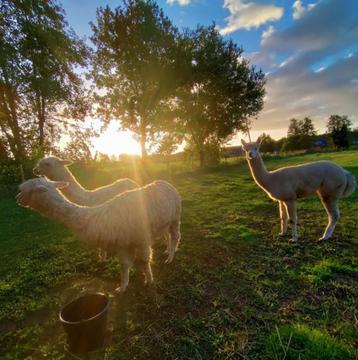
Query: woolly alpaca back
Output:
(134,217)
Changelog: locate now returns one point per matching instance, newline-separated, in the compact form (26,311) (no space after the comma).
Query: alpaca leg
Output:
(126,257)
(292,217)
(331,206)
(174,231)
(102,255)
(283,217)
(144,257)
(167,241)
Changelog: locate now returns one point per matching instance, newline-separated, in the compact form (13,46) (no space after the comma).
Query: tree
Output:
(221,93)
(4,155)
(39,88)
(78,147)
(301,127)
(294,127)
(338,127)
(136,66)
(300,135)
(307,127)
(297,142)
(268,145)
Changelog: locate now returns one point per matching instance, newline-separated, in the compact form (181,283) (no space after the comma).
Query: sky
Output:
(308,50)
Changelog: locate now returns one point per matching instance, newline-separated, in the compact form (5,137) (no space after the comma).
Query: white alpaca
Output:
(125,225)
(288,184)
(56,169)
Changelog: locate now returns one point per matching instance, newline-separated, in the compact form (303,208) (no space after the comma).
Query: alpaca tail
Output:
(351,185)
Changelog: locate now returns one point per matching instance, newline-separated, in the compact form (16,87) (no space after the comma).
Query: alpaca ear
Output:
(259,140)
(60,184)
(66,162)
(243,142)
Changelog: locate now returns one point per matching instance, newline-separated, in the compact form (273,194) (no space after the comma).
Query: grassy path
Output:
(234,291)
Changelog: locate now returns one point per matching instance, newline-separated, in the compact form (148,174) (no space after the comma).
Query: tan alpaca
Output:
(330,181)
(125,226)
(56,169)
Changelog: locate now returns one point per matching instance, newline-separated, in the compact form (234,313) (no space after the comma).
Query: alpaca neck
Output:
(259,171)
(60,209)
(74,190)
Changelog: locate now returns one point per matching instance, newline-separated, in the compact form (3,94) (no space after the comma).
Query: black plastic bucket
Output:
(85,322)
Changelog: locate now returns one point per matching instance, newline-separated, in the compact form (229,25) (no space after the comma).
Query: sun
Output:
(114,142)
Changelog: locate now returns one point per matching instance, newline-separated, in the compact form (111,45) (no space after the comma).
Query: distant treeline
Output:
(302,135)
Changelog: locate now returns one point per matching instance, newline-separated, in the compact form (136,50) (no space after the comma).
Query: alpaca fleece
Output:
(125,225)
(286,185)
(56,169)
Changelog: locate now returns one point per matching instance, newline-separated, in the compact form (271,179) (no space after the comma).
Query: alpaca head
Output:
(252,149)
(52,167)
(38,193)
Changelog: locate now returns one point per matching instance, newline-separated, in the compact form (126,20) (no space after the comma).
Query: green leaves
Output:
(221,92)
(135,63)
(38,81)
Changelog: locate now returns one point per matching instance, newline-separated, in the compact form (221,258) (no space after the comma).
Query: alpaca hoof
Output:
(169,260)
(281,234)
(322,240)
(120,290)
(293,240)
(148,284)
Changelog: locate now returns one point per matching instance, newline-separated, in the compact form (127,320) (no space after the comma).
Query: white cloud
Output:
(267,33)
(313,67)
(249,15)
(299,9)
(180,2)
(320,69)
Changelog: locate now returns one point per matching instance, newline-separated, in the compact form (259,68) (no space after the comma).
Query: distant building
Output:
(320,143)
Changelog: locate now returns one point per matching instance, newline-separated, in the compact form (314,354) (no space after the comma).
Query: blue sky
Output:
(309,50)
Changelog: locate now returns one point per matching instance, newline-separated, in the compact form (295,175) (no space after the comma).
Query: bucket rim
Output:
(86,320)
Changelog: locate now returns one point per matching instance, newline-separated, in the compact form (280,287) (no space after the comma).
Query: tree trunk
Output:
(143,140)
(8,97)
(201,157)
(41,121)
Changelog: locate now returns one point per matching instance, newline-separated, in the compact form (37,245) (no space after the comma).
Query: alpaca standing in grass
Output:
(56,169)
(330,181)
(125,225)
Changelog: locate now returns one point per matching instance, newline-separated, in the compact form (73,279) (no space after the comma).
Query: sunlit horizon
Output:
(114,142)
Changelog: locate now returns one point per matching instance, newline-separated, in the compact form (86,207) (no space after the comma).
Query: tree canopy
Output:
(221,93)
(301,127)
(39,87)
(136,66)
(338,127)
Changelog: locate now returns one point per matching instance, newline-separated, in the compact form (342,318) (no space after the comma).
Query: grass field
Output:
(235,290)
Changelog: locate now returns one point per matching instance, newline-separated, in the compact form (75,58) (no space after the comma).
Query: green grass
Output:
(235,290)
(299,342)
